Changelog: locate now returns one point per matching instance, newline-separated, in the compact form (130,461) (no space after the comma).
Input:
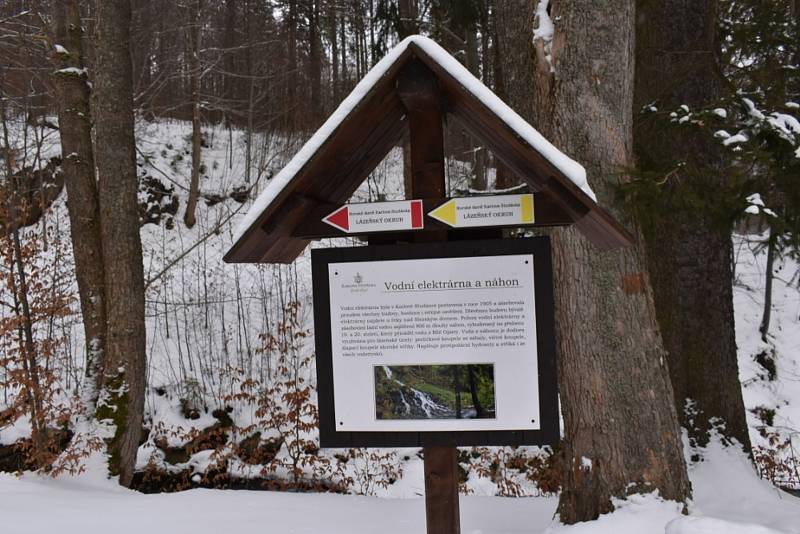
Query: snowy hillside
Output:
(216,335)
(770,372)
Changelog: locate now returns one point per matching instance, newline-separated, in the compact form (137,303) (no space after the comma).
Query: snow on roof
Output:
(572,169)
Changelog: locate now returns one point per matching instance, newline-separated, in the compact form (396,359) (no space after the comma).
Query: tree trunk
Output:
(75,125)
(332,36)
(315,64)
(510,12)
(408,25)
(614,381)
(343,50)
(473,391)
(457,389)
(250,129)
(688,252)
(229,83)
(193,31)
(486,58)
(478,181)
(768,277)
(291,76)
(514,47)
(124,377)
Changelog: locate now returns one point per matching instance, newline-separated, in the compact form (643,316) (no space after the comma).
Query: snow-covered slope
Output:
(769,372)
(205,318)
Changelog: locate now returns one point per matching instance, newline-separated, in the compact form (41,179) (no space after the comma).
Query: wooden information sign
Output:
(460,214)
(442,334)
(495,210)
(377,217)
(435,344)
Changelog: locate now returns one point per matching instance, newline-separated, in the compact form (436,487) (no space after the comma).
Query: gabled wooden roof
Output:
(371,121)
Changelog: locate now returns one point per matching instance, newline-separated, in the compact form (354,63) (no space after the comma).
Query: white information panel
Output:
(438,344)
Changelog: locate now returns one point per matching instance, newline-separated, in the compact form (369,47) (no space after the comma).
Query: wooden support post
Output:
(418,89)
(419,92)
(441,490)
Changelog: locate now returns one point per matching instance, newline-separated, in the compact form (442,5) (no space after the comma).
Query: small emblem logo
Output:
(358,278)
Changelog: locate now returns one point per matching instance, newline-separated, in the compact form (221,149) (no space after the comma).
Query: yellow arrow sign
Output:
(500,210)
(445,213)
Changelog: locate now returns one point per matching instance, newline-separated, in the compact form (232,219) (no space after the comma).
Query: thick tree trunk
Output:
(124,378)
(74,120)
(189,218)
(614,381)
(688,254)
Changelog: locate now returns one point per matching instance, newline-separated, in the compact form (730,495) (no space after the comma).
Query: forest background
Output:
(130,337)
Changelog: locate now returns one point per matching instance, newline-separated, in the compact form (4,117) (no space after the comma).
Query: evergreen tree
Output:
(748,136)
(689,252)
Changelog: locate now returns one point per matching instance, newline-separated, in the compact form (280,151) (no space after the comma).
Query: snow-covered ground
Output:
(205,318)
(38,507)
(728,499)
(781,396)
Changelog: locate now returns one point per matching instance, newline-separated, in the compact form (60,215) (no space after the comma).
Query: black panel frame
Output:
(549,432)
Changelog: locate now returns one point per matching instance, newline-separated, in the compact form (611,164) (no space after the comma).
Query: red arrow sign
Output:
(377,217)
(340,219)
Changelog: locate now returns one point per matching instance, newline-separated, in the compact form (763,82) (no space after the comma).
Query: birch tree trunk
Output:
(74,120)
(689,254)
(122,399)
(614,382)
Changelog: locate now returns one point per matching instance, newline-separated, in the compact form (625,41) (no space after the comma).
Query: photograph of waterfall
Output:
(435,391)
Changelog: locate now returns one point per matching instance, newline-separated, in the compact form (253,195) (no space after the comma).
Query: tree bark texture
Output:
(614,381)
(74,120)
(124,378)
(689,255)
